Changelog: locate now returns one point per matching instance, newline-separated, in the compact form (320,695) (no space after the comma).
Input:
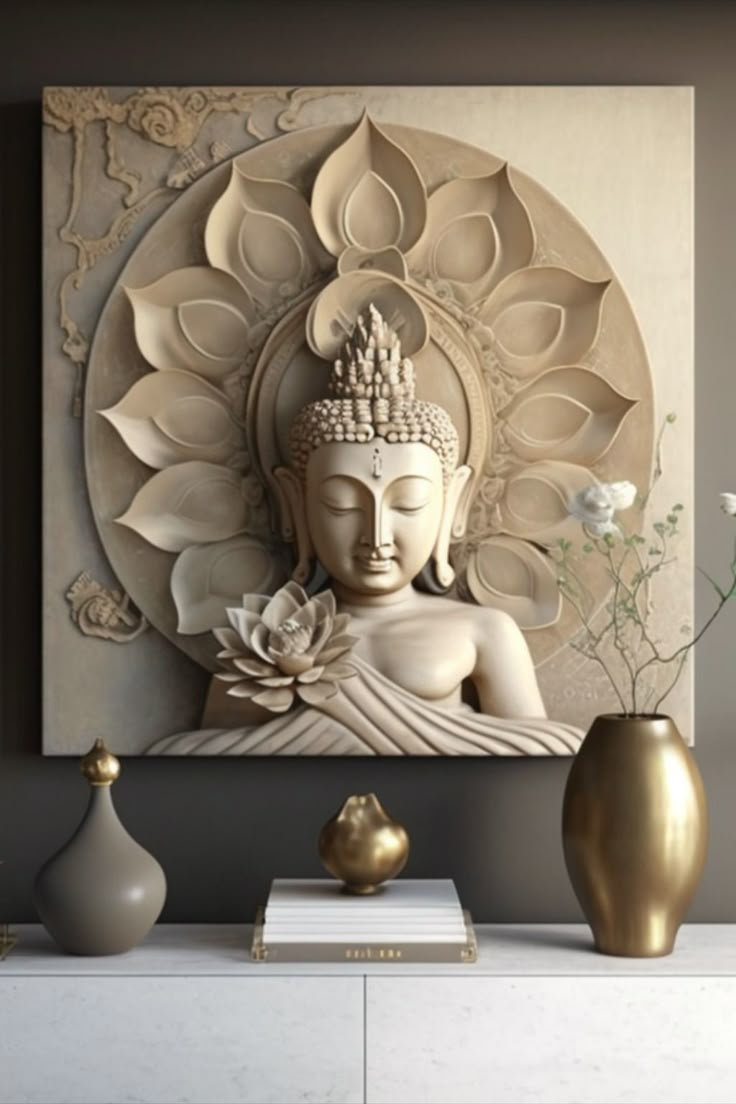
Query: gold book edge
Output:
(393,952)
(7,941)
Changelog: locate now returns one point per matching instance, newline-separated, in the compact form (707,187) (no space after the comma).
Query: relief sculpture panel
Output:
(323,378)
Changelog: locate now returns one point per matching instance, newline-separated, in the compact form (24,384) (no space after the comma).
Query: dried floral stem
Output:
(635,662)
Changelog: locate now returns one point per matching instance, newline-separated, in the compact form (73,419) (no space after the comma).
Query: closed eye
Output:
(411,509)
(332,508)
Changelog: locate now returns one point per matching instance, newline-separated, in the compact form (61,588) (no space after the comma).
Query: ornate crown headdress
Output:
(374,396)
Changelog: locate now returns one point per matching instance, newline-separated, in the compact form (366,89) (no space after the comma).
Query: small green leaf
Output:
(671,418)
(587,548)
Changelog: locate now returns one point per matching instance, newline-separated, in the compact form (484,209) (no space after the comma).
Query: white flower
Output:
(622,494)
(284,647)
(728,503)
(595,506)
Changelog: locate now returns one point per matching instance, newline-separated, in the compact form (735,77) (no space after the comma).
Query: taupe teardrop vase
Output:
(102,892)
(635,833)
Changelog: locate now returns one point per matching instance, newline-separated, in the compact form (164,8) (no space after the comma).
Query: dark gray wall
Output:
(223,829)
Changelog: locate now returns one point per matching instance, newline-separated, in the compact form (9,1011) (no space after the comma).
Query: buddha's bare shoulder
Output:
(479,619)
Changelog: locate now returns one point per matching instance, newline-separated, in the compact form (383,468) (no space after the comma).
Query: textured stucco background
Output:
(222,830)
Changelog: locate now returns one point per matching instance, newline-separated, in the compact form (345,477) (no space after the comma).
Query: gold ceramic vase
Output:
(362,846)
(635,832)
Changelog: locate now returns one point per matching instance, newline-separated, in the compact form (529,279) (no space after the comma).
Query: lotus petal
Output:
(337,671)
(565,414)
(334,313)
(255,603)
(543,317)
(478,232)
(326,602)
(336,647)
(261,232)
(168,417)
(284,604)
(307,615)
(245,622)
(228,638)
(241,689)
(389,260)
(207,579)
(259,641)
(191,503)
(511,575)
(313,675)
(276,681)
(193,319)
(254,667)
(535,501)
(317,692)
(275,700)
(369,194)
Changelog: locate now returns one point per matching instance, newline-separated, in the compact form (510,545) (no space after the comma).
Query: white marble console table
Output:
(188,1017)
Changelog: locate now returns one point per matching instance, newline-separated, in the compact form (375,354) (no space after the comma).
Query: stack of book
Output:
(409,920)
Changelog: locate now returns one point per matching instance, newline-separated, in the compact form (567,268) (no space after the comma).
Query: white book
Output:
(398,929)
(408,911)
(407,894)
(271,938)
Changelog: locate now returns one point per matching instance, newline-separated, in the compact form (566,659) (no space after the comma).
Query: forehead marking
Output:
(377,464)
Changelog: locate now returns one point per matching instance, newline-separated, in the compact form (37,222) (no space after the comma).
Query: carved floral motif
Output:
(97,611)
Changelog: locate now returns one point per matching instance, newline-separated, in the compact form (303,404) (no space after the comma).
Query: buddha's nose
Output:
(380,535)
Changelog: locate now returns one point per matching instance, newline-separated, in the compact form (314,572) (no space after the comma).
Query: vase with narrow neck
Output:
(362,845)
(635,832)
(102,892)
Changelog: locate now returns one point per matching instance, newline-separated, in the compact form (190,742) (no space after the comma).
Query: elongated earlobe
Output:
(452,521)
(294,524)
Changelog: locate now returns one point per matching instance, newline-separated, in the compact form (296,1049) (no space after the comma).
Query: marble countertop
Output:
(505,950)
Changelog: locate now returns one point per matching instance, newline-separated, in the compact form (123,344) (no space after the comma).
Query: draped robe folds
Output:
(371,715)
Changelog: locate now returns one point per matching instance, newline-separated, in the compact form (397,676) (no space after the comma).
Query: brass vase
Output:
(362,846)
(635,832)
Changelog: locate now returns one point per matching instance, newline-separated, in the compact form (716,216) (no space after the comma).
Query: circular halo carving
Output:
(225,318)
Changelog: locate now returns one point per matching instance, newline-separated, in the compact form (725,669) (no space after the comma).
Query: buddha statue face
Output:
(374,487)
(374,512)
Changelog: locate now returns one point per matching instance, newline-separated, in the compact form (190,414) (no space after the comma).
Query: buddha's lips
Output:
(371,564)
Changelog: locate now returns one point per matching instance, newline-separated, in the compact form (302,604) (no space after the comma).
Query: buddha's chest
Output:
(428,657)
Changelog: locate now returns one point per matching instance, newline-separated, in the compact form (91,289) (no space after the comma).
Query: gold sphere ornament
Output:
(99,766)
(362,845)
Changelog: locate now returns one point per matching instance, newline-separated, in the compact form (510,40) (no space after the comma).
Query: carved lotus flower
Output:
(277,649)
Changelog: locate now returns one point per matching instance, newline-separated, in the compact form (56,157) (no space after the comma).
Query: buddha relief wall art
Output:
(323,370)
